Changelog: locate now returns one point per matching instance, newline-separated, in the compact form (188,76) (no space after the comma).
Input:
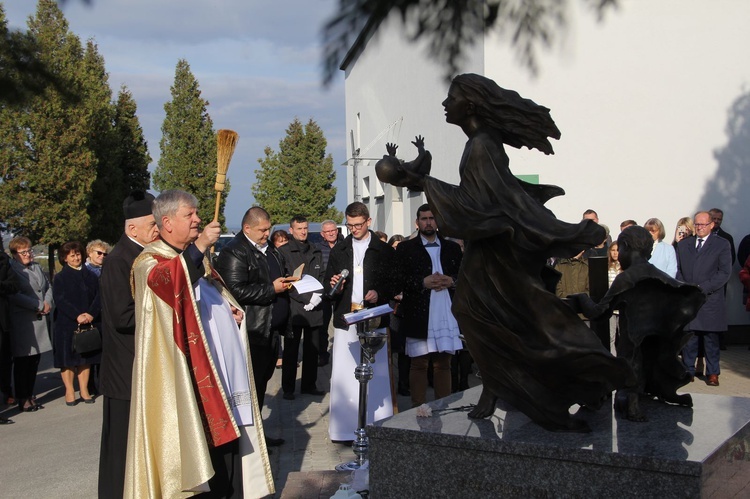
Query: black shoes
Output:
(88,401)
(31,408)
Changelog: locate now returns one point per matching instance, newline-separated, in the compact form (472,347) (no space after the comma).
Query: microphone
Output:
(335,288)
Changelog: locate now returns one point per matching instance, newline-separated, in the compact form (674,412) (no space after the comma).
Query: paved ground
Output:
(54,452)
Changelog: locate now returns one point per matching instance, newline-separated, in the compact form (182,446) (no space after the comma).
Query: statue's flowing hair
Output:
(518,121)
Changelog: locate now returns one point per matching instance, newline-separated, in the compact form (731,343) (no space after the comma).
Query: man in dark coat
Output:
(118,343)
(253,272)
(8,285)
(329,231)
(427,271)
(705,260)
(306,312)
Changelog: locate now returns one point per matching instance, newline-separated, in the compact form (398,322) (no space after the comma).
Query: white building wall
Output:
(393,93)
(653,105)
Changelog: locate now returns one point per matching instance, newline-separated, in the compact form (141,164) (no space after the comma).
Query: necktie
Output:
(700,245)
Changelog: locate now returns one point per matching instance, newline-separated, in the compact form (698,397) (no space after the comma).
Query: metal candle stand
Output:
(370,342)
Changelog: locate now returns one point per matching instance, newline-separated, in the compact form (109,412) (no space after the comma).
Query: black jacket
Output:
(8,285)
(378,274)
(245,272)
(296,253)
(118,320)
(414,264)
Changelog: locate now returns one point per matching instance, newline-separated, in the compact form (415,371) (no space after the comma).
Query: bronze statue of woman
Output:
(531,348)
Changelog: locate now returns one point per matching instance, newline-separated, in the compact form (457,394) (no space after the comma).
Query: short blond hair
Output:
(98,243)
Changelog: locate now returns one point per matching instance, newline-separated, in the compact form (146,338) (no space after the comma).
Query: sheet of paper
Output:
(307,284)
(368,313)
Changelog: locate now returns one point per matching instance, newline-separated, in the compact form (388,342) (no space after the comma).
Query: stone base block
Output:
(702,451)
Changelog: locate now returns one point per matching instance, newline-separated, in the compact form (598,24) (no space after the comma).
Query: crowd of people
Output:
(40,317)
(700,253)
(416,274)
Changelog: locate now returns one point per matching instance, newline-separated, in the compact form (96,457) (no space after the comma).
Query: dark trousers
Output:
(264,362)
(227,479)
(6,365)
(24,372)
(711,345)
(460,370)
(114,446)
(309,336)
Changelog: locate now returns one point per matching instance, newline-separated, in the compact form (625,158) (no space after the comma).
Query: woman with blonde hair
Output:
(685,228)
(96,251)
(663,256)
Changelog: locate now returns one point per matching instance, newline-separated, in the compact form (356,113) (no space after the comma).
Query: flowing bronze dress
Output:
(531,348)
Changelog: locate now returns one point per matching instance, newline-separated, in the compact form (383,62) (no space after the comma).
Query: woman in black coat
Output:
(76,295)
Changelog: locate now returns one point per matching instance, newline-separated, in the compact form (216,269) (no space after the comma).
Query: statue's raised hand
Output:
(391,148)
(419,143)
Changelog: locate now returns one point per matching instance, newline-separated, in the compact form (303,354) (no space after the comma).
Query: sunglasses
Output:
(101,253)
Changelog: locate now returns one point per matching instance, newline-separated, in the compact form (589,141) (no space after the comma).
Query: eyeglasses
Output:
(702,225)
(355,226)
(26,252)
(101,253)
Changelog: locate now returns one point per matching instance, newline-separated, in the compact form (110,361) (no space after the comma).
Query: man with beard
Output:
(427,272)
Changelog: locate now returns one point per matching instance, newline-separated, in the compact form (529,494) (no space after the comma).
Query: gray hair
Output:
(327,222)
(168,202)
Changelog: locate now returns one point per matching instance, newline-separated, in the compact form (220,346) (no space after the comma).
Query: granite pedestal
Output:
(702,451)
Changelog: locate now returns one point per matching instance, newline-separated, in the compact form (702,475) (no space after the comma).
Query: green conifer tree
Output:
(108,188)
(188,146)
(48,166)
(133,157)
(298,179)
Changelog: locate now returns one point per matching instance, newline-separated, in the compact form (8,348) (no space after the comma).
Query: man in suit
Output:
(118,343)
(253,271)
(705,260)
(427,272)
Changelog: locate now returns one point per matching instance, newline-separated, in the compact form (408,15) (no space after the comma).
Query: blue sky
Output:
(258,64)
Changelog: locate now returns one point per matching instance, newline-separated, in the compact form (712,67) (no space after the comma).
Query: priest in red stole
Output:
(195,425)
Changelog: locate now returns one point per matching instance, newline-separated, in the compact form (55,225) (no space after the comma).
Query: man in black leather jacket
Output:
(253,271)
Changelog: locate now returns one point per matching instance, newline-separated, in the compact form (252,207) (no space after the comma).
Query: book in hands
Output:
(296,276)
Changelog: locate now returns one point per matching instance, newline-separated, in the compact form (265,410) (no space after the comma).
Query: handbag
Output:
(86,339)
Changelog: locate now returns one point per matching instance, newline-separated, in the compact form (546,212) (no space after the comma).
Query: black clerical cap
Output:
(137,205)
